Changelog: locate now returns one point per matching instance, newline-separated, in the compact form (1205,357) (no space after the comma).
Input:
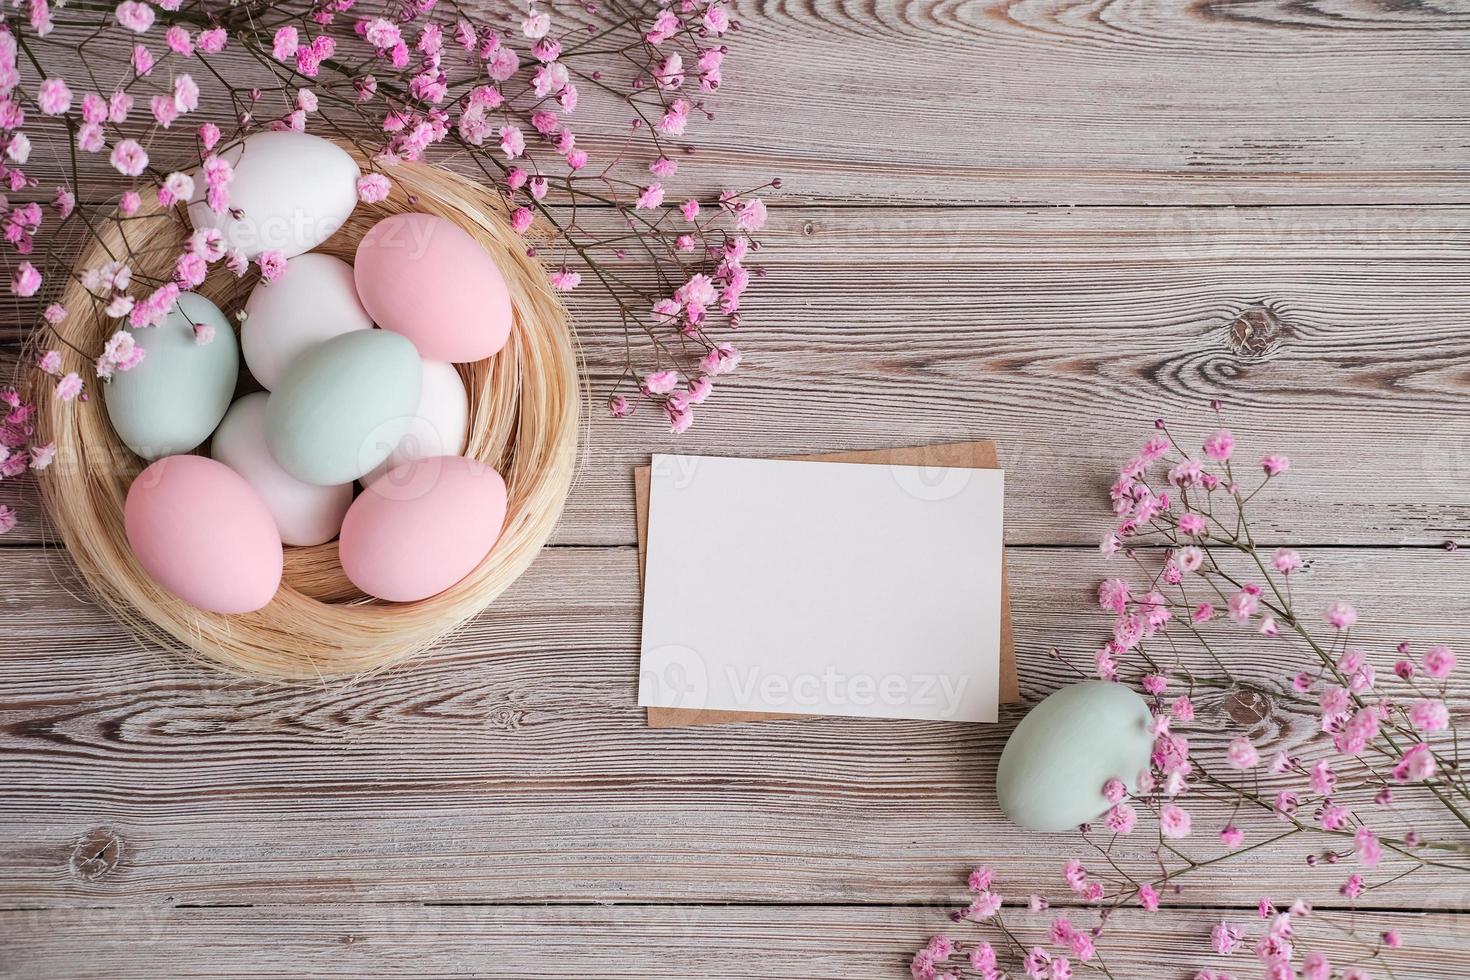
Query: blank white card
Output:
(856,589)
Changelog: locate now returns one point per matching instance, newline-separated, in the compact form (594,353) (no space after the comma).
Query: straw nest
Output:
(524,406)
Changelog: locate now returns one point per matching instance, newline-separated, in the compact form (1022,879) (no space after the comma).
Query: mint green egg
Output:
(1053,768)
(172,400)
(343,405)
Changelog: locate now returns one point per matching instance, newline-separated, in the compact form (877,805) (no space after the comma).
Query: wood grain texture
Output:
(1099,101)
(1060,102)
(771,942)
(1334,335)
(514,765)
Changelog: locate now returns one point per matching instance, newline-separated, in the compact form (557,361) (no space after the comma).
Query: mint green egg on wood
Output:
(176,395)
(1053,768)
(343,405)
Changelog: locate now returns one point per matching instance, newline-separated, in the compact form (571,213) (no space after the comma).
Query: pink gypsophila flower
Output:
(1113,595)
(69,387)
(1243,605)
(1225,938)
(1182,709)
(1275,465)
(1241,754)
(980,879)
(54,97)
(218,174)
(983,906)
(1286,561)
(272,264)
(1316,966)
(680,416)
(664,26)
(1439,661)
(721,359)
(1341,615)
(565,280)
(1415,765)
(26,281)
(372,188)
(1174,821)
(512,142)
(1219,446)
(179,41)
(1429,715)
(1121,819)
(650,197)
(1368,849)
(751,216)
(129,158)
(136,17)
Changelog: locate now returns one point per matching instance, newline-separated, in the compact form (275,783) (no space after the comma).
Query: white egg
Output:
(304,512)
(290,190)
(442,424)
(314,300)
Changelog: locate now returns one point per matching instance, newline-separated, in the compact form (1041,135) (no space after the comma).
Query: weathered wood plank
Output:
(646,943)
(1335,335)
(513,764)
(1262,102)
(1092,103)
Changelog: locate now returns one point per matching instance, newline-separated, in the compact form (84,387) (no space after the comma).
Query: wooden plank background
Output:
(1045,223)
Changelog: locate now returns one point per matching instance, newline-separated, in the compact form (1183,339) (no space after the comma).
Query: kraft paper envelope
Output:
(969,455)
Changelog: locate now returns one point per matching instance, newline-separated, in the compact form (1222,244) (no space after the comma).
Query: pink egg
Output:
(421,527)
(426,278)
(204,534)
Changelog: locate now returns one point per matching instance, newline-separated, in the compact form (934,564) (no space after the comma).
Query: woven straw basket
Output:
(524,406)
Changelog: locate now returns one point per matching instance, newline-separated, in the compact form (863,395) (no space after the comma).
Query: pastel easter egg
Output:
(204,534)
(442,423)
(289,193)
(343,406)
(426,278)
(313,300)
(1055,763)
(173,398)
(421,527)
(304,513)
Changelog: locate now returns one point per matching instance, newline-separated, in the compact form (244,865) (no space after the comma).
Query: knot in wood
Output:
(1247,708)
(1256,332)
(505,718)
(96,854)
